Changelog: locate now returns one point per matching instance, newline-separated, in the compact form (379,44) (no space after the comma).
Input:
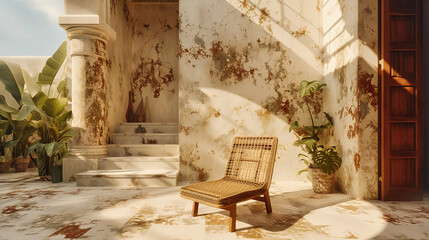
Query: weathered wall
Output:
(240,64)
(118,62)
(155,38)
(350,30)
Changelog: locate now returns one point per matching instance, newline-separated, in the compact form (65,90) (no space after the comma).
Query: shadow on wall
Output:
(242,79)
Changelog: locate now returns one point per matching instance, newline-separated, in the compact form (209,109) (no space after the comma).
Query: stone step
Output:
(144,138)
(128,177)
(137,162)
(147,128)
(155,150)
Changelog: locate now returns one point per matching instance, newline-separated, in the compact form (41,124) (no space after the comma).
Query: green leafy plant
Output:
(40,109)
(21,128)
(49,108)
(317,156)
(5,130)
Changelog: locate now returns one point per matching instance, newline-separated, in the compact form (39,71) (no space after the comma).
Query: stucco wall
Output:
(350,30)
(155,38)
(240,64)
(118,63)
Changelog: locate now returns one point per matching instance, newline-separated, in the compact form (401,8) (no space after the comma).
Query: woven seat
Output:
(248,176)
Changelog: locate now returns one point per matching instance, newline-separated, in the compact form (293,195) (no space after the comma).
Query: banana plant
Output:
(327,159)
(11,76)
(5,131)
(49,109)
(40,109)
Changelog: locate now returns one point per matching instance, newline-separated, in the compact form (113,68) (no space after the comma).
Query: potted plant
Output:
(12,77)
(322,162)
(21,132)
(39,111)
(50,110)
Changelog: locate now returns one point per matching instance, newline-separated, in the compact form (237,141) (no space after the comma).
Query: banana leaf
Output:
(40,99)
(53,64)
(5,107)
(53,148)
(31,85)
(13,80)
(55,106)
(61,86)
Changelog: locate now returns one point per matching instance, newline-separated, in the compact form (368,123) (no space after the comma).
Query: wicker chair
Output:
(247,176)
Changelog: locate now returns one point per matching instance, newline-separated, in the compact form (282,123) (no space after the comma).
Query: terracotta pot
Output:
(21,164)
(322,182)
(4,166)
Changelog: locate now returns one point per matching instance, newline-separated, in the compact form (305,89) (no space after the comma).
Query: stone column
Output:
(87,39)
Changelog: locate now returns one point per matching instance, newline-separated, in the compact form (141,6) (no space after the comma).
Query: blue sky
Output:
(30,27)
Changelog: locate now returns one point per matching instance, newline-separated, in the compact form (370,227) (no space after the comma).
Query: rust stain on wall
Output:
(196,52)
(357,161)
(203,174)
(152,72)
(282,105)
(264,14)
(185,130)
(192,157)
(366,88)
(95,115)
(229,64)
(301,32)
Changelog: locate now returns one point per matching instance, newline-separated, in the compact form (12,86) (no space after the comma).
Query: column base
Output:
(82,159)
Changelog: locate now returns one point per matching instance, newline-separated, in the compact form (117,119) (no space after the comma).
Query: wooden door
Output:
(401,84)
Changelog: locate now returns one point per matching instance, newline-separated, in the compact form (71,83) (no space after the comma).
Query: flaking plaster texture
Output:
(350,30)
(155,37)
(240,66)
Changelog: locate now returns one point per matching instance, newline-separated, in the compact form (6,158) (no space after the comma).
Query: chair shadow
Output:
(288,209)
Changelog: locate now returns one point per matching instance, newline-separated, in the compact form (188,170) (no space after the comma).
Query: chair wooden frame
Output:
(257,181)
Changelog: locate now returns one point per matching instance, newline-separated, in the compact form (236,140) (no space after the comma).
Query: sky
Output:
(30,27)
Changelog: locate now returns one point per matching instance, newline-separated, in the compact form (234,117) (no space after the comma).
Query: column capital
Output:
(86,26)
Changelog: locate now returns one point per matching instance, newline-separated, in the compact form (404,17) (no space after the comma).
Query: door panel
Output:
(401,137)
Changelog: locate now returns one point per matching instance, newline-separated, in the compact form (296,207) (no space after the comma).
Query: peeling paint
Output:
(242,79)
(366,88)
(152,73)
(303,31)
(229,64)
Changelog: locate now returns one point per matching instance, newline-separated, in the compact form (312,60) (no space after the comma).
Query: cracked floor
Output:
(31,209)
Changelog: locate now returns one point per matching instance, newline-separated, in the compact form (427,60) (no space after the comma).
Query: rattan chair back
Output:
(251,160)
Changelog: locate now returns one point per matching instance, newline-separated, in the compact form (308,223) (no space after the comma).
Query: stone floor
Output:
(31,209)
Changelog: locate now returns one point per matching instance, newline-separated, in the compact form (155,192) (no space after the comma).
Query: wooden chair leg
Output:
(232,217)
(195,209)
(268,203)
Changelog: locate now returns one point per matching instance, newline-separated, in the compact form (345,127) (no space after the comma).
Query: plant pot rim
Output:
(314,167)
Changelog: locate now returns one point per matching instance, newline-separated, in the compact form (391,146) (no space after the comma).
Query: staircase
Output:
(142,154)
